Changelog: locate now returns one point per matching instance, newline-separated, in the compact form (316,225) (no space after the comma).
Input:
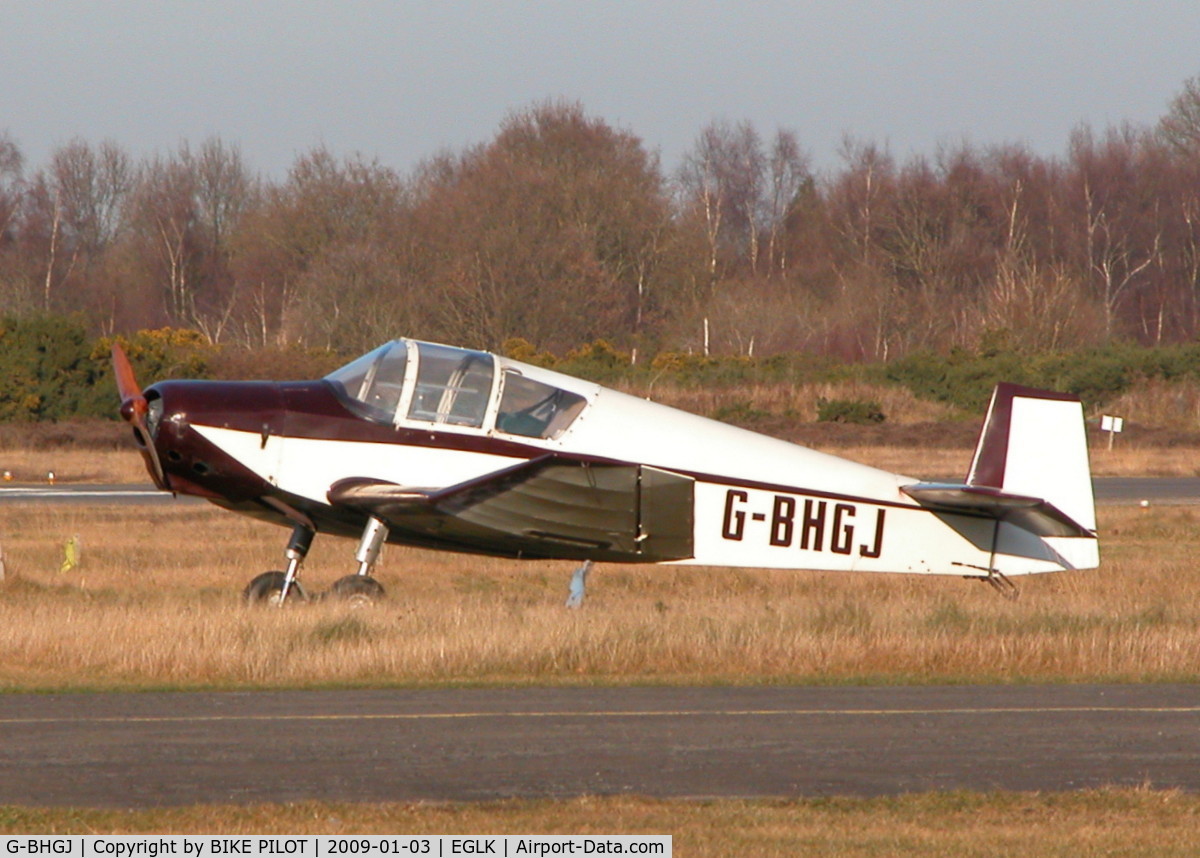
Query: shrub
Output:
(46,369)
(597,361)
(519,348)
(740,413)
(849,411)
(162,353)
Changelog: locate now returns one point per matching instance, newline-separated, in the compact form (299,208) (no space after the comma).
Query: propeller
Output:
(134,408)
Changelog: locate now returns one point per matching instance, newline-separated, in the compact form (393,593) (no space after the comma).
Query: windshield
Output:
(371,385)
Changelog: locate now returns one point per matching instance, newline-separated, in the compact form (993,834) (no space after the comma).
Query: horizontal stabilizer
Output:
(1033,514)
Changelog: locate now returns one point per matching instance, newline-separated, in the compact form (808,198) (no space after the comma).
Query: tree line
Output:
(563,229)
(52,369)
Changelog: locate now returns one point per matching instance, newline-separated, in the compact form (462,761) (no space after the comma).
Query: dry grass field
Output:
(155,603)
(956,825)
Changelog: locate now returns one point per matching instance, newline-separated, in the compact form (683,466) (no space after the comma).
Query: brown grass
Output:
(799,401)
(1140,822)
(1126,460)
(155,603)
(74,466)
(1165,404)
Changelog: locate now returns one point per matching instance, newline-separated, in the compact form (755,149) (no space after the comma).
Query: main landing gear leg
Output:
(579,585)
(278,587)
(362,589)
(297,550)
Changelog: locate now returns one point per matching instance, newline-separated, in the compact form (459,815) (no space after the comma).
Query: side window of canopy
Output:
(534,409)
(453,386)
(371,385)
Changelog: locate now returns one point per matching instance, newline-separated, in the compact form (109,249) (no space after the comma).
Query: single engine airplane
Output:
(440,447)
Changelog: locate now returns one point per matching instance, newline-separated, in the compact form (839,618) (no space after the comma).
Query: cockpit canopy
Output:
(413,382)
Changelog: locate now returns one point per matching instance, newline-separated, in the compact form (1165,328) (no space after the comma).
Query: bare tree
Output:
(72,216)
(859,194)
(1112,256)
(555,231)
(1181,125)
(724,176)
(11,165)
(90,187)
(168,217)
(315,258)
(1123,229)
(789,175)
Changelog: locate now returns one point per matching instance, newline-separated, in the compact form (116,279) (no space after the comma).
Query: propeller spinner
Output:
(134,408)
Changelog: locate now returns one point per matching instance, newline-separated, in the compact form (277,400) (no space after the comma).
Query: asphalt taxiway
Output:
(136,750)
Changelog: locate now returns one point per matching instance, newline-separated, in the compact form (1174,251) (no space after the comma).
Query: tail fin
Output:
(1033,443)
(1031,474)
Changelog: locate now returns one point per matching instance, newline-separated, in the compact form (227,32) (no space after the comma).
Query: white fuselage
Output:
(758,501)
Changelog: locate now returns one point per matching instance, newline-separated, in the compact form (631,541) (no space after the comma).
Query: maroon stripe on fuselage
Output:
(310,410)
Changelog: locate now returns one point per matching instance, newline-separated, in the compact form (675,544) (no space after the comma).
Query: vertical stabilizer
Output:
(1034,443)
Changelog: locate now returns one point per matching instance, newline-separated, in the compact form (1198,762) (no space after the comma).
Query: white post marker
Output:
(1111,425)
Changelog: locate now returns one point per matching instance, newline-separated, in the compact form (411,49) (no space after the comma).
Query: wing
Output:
(552,506)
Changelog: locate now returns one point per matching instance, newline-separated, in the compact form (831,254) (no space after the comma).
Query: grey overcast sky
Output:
(401,80)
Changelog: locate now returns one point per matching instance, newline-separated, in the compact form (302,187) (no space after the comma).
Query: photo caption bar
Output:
(326,846)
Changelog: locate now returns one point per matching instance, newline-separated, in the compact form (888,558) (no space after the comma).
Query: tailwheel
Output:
(357,590)
(268,588)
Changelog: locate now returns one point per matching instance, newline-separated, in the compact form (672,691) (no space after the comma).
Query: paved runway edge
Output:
(132,750)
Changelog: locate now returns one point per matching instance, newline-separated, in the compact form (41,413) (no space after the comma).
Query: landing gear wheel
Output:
(357,590)
(267,589)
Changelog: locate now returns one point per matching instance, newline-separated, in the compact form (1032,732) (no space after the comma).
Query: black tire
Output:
(265,589)
(357,590)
